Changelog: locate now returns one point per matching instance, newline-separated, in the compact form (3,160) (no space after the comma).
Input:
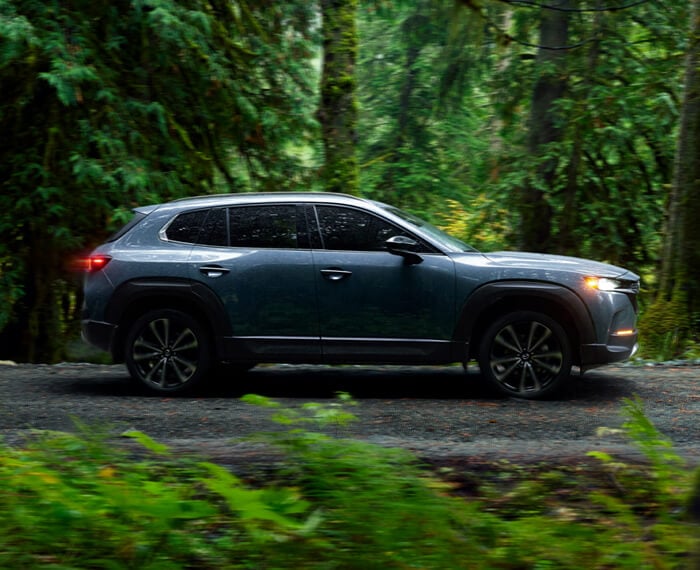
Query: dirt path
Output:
(437,412)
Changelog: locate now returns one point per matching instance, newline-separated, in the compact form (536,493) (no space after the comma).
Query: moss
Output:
(665,327)
(339,110)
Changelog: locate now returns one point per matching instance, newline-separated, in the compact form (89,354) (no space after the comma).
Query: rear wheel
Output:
(168,351)
(525,354)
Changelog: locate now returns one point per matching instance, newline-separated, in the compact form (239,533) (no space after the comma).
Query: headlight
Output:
(604,283)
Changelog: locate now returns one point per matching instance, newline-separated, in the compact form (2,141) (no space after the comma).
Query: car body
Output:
(309,277)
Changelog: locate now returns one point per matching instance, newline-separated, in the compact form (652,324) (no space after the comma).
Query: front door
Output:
(375,306)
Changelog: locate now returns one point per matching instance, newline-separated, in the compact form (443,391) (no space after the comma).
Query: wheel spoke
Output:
(500,339)
(162,381)
(159,365)
(151,351)
(532,344)
(504,359)
(553,368)
(183,368)
(528,370)
(186,333)
(501,376)
(162,339)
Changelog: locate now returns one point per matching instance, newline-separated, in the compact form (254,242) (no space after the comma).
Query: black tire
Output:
(525,354)
(168,351)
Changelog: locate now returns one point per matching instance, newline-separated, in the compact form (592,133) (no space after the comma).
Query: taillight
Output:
(96,262)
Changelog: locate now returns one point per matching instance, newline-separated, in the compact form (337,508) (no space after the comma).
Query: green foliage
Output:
(614,157)
(424,129)
(482,224)
(108,105)
(75,501)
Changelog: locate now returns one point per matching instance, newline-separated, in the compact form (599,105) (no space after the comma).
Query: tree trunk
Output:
(338,106)
(36,334)
(674,314)
(535,210)
(567,242)
(681,259)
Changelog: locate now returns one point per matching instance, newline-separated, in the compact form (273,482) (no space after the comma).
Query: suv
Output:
(329,278)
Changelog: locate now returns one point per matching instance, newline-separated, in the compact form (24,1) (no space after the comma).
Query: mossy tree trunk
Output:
(544,129)
(338,105)
(675,312)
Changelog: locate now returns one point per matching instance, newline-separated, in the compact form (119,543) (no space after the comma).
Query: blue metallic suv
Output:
(328,278)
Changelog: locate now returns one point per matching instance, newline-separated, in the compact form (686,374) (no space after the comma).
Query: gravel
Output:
(438,412)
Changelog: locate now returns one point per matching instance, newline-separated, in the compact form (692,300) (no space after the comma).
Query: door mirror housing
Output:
(404,246)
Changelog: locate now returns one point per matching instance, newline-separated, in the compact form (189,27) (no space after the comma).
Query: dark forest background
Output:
(547,125)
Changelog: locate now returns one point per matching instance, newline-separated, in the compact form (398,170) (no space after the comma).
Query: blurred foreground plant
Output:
(74,501)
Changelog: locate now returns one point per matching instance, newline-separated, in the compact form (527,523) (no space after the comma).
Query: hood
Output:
(559,262)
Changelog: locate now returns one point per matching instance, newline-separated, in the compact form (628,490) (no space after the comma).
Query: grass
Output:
(76,501)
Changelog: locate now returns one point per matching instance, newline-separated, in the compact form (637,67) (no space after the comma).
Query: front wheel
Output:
(168,351)
(525,354)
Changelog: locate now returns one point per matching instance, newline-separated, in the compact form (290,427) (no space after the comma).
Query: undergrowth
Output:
(77,501)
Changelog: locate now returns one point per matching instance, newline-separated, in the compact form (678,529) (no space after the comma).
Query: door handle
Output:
(213,271)
(333,274)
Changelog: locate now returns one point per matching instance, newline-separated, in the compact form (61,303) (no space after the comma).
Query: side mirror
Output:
(405,247)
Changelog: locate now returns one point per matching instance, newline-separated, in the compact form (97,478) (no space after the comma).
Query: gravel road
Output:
(437,412)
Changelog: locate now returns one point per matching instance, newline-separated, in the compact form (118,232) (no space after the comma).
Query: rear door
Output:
(257,260)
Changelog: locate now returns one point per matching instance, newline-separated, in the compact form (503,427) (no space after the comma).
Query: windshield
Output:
(445,240)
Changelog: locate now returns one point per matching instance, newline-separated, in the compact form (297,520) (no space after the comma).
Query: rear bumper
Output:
(98,334)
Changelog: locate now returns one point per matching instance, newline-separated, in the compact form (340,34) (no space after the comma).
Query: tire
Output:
(525,354)
(168,351)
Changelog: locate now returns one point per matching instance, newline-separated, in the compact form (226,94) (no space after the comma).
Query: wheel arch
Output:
(136,297)
(493,300)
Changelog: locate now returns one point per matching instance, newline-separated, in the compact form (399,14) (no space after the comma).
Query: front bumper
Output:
(620,348)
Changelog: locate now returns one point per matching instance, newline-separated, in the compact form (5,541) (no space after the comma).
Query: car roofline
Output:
(283,196)
(209,200)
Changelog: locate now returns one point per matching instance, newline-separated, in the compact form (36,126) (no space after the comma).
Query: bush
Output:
(74,501)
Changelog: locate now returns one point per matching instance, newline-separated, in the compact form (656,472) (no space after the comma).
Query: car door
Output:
(257,260)
(375,306)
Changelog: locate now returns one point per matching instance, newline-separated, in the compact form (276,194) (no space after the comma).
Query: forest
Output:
(567,126)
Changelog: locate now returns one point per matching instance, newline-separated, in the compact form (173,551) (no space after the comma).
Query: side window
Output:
(215,229)
(185,227)
(350,229)
(263,226)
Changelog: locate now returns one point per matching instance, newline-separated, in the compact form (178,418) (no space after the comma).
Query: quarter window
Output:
(185,227)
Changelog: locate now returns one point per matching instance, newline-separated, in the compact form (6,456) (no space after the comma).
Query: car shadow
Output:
(361,382)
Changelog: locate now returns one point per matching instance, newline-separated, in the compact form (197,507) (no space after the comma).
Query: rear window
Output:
(138,216)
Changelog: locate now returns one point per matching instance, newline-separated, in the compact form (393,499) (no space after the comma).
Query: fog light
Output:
(624,332)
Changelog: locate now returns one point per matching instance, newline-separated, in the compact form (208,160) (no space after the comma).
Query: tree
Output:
(110,104)
(425,127)
(609,163)
(675,312)
(545,128)
(337,111)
